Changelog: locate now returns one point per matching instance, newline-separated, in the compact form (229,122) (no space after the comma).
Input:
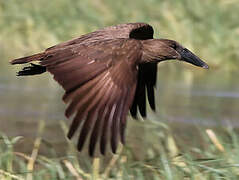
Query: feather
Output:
(107,125)
(28,59)
(146,80)
(128,103)
(75,124)
(116,121)
(89,122)
(86,94)
(101,117)
(34,69)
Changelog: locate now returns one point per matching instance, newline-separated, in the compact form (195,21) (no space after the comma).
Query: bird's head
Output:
(165,49)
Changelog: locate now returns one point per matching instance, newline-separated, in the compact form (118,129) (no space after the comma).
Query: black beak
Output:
(191,58)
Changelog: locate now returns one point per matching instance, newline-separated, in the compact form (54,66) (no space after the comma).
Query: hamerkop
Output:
(105,74)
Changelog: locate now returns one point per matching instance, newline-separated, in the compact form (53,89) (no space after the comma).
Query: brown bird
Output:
(105,74)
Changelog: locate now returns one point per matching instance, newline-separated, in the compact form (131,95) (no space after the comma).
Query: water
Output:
(184,95)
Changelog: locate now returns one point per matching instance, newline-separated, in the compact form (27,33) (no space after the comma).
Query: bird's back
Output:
(128,30)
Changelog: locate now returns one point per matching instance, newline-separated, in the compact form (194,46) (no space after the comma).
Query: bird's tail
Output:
(28,59)
(33,69)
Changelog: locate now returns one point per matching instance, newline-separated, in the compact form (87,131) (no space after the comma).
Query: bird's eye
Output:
(174,46)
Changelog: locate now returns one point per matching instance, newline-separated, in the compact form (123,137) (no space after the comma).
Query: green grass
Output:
(165,158)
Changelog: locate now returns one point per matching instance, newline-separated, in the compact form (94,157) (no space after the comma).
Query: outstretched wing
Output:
(147,72)
(100,80)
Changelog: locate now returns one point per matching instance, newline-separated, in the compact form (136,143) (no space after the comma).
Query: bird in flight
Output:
(106,74)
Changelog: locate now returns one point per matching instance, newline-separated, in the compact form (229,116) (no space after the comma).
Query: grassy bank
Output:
(165,157)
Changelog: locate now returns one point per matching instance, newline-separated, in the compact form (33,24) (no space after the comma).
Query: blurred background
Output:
(187,97)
